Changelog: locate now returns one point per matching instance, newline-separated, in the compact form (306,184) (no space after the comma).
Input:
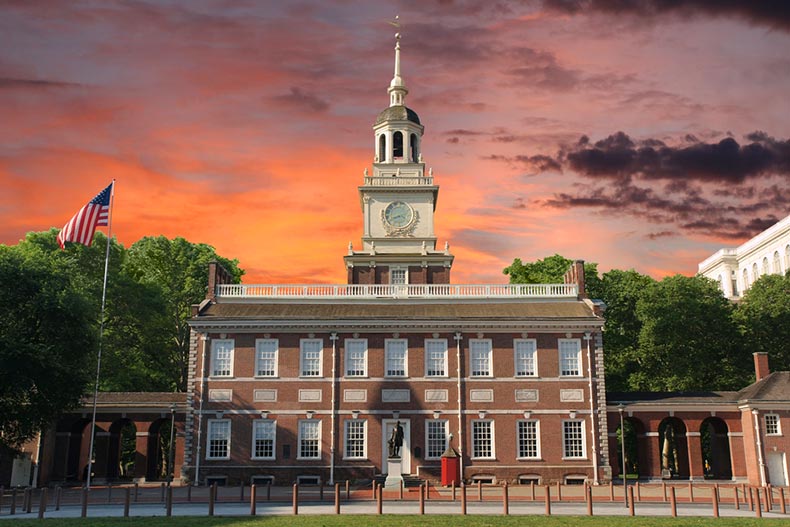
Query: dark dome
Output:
(397,113)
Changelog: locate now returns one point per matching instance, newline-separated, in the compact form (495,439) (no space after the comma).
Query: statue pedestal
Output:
(394,477)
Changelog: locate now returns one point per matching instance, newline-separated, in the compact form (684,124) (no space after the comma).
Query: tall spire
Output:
(397,89)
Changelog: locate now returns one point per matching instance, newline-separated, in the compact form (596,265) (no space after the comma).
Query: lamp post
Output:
(620,409)
(170,454)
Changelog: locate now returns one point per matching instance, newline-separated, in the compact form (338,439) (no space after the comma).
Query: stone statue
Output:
(395,441)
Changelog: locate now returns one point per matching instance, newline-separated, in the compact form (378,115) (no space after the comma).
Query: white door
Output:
(777,468)
(20,471)
(405,452)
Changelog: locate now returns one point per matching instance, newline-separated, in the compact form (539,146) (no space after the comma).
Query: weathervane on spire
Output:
(397,89)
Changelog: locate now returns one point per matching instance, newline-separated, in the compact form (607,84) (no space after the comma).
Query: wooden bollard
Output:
(241,491)
(169,501)
(532,489)
(2,495)
(136,491)
(400,490)
(479,490)
(253,500)
(673,502)
(422,500)
(559,491)
(212,497)
(28,500)
(768,499)
(463,499)
(505,500)
(735,499)
(664,490)
(453,485)
(750,498)
(337,498)
(320,490)
(189,493)
(373,490)
(126,502)
(84,510)
(109,493)
(379,500)
(715,500)
(758,508)
(638,492)
(348,491)
(296,498)
(691,493)
(782,503)
(547,499)
(588,497)
(42,503)
(162,493)
(427,490)
(269,491)
(631,504)
(611,491)
(13,502)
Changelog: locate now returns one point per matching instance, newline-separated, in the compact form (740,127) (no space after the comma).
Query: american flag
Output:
(82,225)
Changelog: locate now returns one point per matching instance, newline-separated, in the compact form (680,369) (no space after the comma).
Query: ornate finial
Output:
(397,89)
(424,248)
(430,171)
(446,247)
(366,171)
(350,248)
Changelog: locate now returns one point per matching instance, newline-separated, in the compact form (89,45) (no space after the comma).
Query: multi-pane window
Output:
(398,276)
(355,438)
(528,446)
(222,357)
(395,351)
(436,358)
(436,438)
(356,357)
(310,439)
(263,436)
(480,357)
(570,357)
(310,357)
(772,425)
(573,439)
(266,357)
(524,350)
(483,439)
(218,439)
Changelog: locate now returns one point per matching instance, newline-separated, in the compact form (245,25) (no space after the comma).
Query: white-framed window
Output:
(573,439)
(355,433)
(772,427)
(396,358)
(222,357)
(310,352)
(218,431)
(528,439)
(482,439)
(435,438)
(524,351)
(356,357)
(436,357)
(266,351)
(480,358)
(570,357)
(309,439)
(399,276)
(264,436)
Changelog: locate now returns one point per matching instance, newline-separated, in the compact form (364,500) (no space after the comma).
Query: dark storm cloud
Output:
(15,83)
(301,100)
(726,161)
(770,13)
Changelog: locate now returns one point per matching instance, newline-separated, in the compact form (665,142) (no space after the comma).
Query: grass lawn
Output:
(393,521)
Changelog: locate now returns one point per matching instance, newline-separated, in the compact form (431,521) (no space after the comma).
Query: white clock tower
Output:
(398,202)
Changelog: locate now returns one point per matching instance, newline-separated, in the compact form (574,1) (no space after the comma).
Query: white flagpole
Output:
(101,335)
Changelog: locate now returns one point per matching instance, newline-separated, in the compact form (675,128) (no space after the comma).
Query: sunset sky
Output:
(631,133)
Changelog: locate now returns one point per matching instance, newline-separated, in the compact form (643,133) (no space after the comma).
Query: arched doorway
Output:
(714,439)
(78,445)
(633,431)
(121,450)
(673,448)
(158,450)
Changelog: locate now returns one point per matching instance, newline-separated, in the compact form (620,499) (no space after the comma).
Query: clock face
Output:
(398,214)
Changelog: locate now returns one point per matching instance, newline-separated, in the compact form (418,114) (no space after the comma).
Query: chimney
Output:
(575,275)
(761,370)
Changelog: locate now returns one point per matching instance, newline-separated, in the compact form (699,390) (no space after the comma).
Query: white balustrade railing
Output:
(429,291)
(397,181)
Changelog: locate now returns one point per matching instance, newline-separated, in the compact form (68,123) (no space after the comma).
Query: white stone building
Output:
(736,269)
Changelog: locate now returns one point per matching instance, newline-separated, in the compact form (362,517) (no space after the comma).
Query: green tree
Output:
(46,343)
(764,319)
(179,269)
(551,270)
(688,339)
(620,291)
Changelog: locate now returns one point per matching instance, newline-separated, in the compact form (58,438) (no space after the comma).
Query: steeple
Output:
(397,89)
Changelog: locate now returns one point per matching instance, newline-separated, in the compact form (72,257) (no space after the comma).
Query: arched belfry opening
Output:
(382,148)
(397,145)
(414,148)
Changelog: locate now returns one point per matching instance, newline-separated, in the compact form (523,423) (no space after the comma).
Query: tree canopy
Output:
(763,317)
(551,270)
